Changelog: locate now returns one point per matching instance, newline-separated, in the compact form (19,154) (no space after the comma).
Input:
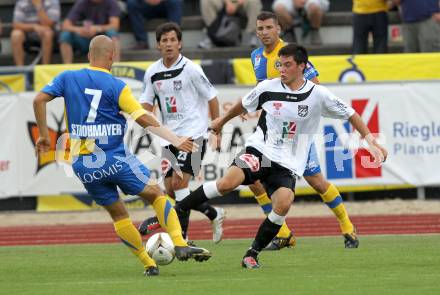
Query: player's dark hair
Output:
(168,27)
(265,15)
(298,52)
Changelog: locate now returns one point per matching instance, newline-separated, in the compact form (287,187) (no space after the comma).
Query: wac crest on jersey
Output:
(303,110)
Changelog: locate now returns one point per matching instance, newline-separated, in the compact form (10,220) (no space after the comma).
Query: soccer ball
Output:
(160,247)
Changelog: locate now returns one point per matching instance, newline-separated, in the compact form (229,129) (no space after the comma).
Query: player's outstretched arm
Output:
(147,120)
(378,152)
(148,106)
(150,123)
(40,101)
(185,144)
(234,111)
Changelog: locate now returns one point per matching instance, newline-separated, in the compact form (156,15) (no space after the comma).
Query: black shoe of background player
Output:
(149,226)
(197,253)
(280,243)
(351,240)
(151,271)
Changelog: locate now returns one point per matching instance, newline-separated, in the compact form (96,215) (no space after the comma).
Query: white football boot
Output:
(217,225)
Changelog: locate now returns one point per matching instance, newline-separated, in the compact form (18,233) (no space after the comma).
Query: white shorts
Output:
(324,4)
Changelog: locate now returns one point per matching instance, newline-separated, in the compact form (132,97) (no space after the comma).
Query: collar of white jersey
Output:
(178,60)
(299,89)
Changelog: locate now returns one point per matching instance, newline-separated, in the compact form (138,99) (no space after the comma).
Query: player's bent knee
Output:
(282,200)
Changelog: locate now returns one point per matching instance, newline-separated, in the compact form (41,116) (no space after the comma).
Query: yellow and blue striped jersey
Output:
(266,65)
(93,101)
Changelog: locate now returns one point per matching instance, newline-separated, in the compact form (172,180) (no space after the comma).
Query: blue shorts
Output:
(312,166)
(118,170)
(80,43)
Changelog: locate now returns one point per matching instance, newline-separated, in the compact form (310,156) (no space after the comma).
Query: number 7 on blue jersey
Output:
(94,105)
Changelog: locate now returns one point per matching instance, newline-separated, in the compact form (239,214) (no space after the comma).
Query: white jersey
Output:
(183,92)
(289,120)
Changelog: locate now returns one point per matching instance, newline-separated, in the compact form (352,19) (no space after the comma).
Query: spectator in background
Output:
(86,19)
(212,9)
(421,25)
(34,24)
(139,9)
(288,12)
(370,16)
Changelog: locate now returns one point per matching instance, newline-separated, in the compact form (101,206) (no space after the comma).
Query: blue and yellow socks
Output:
(168,219)
(130,236)
(334,201)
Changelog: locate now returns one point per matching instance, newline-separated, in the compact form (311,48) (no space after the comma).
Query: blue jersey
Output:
(93,100)
(266,65)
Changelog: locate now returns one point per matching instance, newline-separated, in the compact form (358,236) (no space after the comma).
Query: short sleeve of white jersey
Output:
(251,100)
(201,83)
(147,95)
(334,107)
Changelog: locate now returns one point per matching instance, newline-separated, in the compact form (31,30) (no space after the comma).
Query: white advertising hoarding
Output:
(403,114)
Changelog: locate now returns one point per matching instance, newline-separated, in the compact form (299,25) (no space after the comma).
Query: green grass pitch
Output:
(382,265)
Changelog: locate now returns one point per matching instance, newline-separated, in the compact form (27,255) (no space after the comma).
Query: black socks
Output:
(267,231)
